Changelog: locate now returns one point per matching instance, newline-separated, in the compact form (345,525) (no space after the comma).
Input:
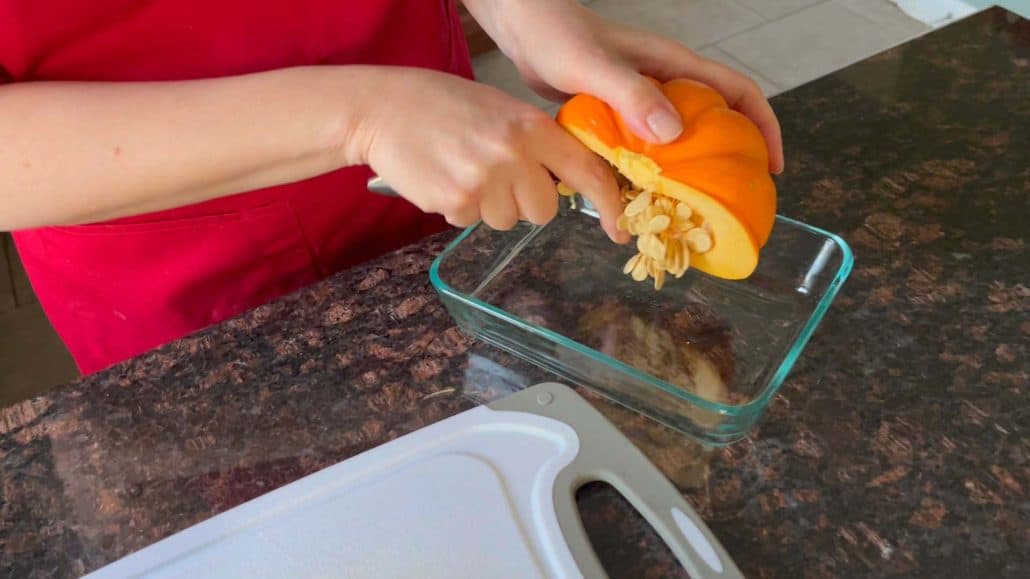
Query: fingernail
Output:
(665,125)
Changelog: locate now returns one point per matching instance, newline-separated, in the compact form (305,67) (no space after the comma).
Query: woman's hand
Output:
(449,145)
(562,48)
(470,152)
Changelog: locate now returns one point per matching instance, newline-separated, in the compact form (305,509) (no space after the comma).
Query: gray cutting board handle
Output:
(606,455)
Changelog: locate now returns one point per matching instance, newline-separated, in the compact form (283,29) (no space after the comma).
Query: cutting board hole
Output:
(623,540)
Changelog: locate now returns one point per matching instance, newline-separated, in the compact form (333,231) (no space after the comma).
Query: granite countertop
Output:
(897,448)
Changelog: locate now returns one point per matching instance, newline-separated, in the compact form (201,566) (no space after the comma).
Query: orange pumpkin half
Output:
(718,167)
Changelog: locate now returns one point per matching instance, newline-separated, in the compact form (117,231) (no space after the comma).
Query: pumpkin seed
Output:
(631,263)
(698,240)
(639,204)
(659,280)
(658,224)
(667,232)
(639,272)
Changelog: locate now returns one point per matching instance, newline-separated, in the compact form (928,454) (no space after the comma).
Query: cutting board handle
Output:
(605,455)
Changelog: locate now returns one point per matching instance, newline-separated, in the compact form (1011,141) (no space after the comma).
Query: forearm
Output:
(75,152)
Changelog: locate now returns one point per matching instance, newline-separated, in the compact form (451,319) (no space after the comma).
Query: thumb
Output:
(639,102)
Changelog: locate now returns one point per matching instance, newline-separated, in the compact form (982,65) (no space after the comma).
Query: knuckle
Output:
(640,90)
(535,118)
(751,86)
(598,176)
(457,202)
(527,121)
(480,174)
(672,47)
(474,176)
(507,131)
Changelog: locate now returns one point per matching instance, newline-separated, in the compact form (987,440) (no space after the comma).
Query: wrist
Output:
(494,16)
(324,114)
(342,104)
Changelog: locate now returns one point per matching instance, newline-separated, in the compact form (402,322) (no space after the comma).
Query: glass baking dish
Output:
(703,356)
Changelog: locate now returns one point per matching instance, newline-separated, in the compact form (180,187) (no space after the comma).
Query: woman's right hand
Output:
(449,145)
(469,152)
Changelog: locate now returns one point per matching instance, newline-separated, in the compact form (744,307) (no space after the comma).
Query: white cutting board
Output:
(489,492)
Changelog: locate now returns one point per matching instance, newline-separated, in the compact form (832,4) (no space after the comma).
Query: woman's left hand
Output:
(562,48)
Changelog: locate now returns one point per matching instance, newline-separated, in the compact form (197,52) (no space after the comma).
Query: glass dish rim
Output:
(754,405)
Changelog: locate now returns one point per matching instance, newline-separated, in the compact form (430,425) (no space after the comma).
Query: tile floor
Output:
(780,43)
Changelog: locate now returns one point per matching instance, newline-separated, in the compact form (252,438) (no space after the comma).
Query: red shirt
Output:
(113,290)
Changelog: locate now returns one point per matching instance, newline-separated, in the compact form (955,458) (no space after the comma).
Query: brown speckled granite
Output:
(898,447)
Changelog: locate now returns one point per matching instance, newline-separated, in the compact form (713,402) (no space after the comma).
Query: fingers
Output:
(462,214)
(520,191)
(667,59)
(499,210)
(535,196)
(531,198)
(585,172)
(637,100)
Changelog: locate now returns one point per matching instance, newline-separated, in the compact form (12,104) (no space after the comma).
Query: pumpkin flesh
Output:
(718,167)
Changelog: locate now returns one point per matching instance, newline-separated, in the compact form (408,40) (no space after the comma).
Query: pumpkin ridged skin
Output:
(718,165)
